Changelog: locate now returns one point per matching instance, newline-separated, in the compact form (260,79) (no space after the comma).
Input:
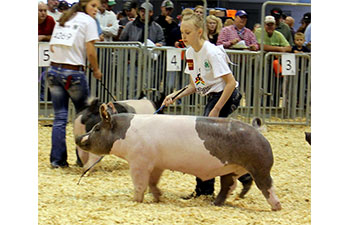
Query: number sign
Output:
(173,60)
(44,54)
(288,64)
(64,35)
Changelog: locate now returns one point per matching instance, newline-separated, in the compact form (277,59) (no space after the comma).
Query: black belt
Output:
(212,94)
(68,66)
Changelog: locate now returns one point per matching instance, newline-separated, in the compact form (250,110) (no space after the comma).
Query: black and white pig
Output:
(90,116)
(202,146)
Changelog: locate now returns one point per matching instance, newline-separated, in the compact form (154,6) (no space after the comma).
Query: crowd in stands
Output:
(232,33)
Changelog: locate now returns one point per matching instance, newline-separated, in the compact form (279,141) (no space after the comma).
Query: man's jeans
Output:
(64,84)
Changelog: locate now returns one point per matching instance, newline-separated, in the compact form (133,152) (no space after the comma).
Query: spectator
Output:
(46,23)
(299,39)
(66,75)
(229,22)
(108,21)
(210,75)
(63,6)
(212,12)
(214,26)
(52,9)
(308,36)
(231,35)
(199,9)
(281,26)
(166,21)
(130,11)
(134,31)
(273,40)
(290,22)
(305,21)
(256,26)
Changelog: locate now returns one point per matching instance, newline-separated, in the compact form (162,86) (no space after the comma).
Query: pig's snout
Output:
(83,141)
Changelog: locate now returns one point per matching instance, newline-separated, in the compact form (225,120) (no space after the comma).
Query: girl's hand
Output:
(168,100)
(214,113)
(97,74)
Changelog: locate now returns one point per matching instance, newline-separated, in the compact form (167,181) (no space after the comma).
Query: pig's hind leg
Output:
(153,181)
(263,181)
(228,183)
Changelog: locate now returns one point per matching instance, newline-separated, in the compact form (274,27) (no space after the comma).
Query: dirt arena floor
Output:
(105,196)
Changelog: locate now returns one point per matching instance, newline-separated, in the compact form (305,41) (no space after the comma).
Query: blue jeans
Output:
(77,89)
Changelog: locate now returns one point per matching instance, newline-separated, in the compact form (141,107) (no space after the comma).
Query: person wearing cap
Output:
(110,5)
(231,35)
(63,6)
(134,31)
(52,9)
(305,21)
(166,21)
(274,41)
(281,26)
(130,9)
(108,21)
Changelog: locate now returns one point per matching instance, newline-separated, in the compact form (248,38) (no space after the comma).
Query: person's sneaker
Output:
(58,165)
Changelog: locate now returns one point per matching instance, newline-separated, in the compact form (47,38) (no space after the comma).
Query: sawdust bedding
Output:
(106,195)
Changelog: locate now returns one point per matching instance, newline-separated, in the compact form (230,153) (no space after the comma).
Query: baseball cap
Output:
(111,2)
(167,4)
(276,12)
(241,13)
(145,6)
(269,19)
(306,17)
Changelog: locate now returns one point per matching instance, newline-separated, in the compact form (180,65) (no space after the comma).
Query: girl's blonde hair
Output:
(78,7)
(197,22)
(218,23)
(187,11)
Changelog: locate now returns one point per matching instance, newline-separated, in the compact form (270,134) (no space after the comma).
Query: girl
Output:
(210,75)
(72,41)
(214,26)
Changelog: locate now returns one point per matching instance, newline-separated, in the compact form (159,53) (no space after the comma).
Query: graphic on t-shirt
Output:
(207,65)
(199,80)
(190,64)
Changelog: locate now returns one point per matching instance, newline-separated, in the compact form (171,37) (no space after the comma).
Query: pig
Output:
(205,147)
(88,117)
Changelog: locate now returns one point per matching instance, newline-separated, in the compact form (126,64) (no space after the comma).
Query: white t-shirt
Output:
(56,15)
(206,68)
(76,54)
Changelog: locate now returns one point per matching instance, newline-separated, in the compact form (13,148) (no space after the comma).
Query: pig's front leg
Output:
(140,178)
(153,181)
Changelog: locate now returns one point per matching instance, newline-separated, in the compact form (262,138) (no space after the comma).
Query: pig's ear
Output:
(104,113)
(111,108)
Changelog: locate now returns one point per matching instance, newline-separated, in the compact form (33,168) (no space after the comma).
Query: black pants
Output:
(207,187)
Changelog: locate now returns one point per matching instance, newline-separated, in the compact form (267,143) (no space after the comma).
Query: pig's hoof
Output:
(277,207)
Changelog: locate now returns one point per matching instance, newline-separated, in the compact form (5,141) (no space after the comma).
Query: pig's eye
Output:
(97,129)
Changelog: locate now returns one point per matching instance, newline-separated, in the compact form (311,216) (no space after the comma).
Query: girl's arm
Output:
(190,90)
(226,94)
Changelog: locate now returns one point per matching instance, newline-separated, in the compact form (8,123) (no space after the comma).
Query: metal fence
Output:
(129,69)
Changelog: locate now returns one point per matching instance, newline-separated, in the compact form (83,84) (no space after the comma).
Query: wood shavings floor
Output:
(105,196)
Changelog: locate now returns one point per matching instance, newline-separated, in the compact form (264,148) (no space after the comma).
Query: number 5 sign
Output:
(44,54)
(173,60)
(288,64)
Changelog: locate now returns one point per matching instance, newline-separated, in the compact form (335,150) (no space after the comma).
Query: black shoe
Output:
(59,165)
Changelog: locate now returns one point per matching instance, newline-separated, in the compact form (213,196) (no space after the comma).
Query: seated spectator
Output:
(299,39)
(290,22)
(134,31)
(281,26)
(166,21)
(199,9)
(46,23)
(63,6)
(274,41)
(231,35)
(256,26)
(52,9)
(214,26)
(108,21)
(305,21)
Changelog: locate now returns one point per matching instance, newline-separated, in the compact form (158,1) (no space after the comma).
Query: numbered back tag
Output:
(64,35)
(173,62)
(288,64)
(44,54)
